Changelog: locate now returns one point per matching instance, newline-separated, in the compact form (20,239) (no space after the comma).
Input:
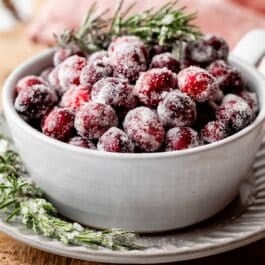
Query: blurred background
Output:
(27,26)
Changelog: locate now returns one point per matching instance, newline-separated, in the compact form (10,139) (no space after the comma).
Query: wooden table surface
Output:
(14,48)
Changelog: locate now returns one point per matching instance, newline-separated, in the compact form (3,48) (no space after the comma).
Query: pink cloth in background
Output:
(227,18)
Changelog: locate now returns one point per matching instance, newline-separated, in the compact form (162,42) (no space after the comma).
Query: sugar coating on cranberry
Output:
(114,45)
(93,119)
(97,55)
(176,110)
(128,58)
(29,81)
(35,101)
(70,70)
(214,131)
(203,51)
(228,77)
(45,73)
(151,85)
(179,138)
(167,60)
(235,114)
(251,99)
(81,142)
(113,91)
(54,80)
(61,54)
(115,140)
(197,83)
(144,128)
(96,70)
(75,97)
(59,124)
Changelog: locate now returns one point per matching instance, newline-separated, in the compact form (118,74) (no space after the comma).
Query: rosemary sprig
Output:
(22,199)
(166,26)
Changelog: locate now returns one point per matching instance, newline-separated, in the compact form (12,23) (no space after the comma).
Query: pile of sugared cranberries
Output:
(135,97)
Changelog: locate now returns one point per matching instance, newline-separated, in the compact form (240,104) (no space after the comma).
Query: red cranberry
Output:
(59,124)
(115,92)
(151,84)
(81,142)
(45,73)
(167,60)
(99,55)
(70,70)
(251,99)
(176,110)
(54,80)
(29,81)
(236,114)
(157,49)
(206,50)
(34,102)
(198,84)
(214,131)
(180,138)
(75,97)
(114,45)
(144,128)
(96,70)
(128,58)
(93,119)
(228,77)
(115,140)
(61,54)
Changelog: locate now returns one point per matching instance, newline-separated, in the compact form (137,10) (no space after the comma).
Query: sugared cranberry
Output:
(157,49)
(251,99)
(205,114)
(228,77)
(235,114)
(180,138)
(144,128)
(75,97)
(99,55)
(198,84)
(93,119)
(35,101)
(54,80)
(176,110)
(29,81)
(59,124)
(204,51)
(124,40)
(45,73)
(96,70)
(128,58)
(70,70)
(151,85)
(61,54)
(214,131)
(115,140)
(115,92)
(167,60)
(81,142)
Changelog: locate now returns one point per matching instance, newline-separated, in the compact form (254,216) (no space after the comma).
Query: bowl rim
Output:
(8,107)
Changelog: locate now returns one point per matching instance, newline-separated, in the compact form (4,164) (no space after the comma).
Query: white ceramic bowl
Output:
(140,192)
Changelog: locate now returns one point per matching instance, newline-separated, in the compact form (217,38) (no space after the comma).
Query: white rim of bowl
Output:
(8,106)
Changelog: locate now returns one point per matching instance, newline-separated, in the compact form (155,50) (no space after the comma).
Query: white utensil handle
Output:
(251,47)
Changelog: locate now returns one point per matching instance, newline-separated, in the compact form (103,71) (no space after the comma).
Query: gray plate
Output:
(239,224)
